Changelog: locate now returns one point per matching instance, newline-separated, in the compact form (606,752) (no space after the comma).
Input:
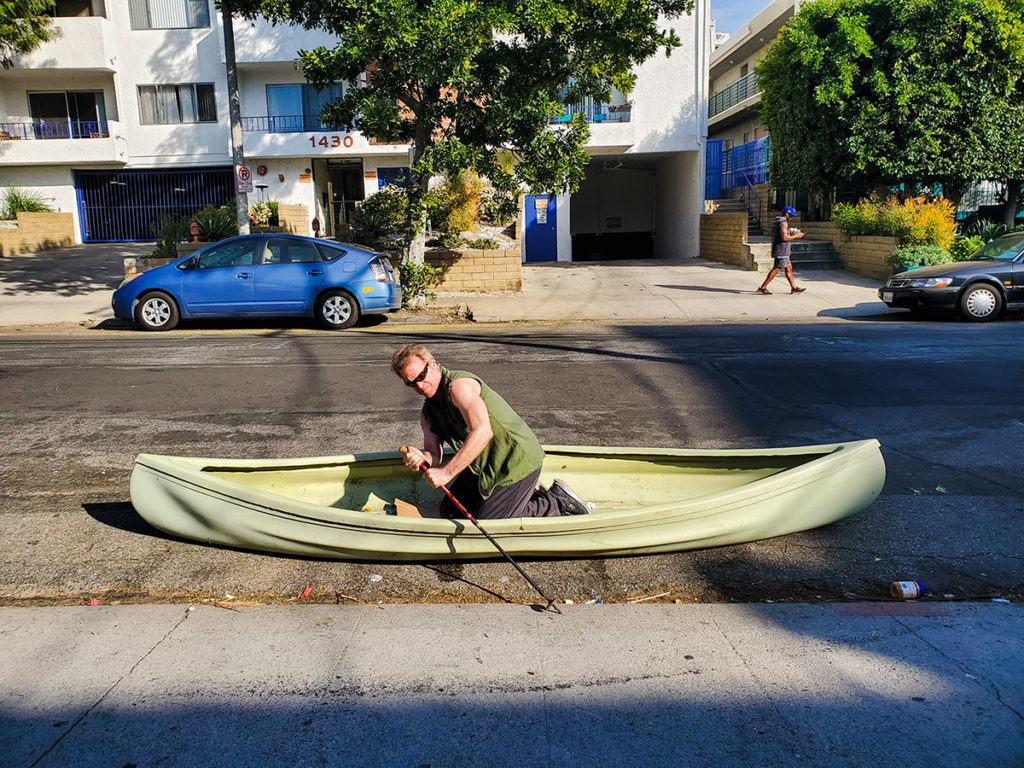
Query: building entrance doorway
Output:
(344,190)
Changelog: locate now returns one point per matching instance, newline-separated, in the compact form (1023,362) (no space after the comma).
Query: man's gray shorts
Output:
(781,262)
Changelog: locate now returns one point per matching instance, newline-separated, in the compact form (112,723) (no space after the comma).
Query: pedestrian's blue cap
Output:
(789,210)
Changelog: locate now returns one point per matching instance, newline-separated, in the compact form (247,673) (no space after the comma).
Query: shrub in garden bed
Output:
(917,256)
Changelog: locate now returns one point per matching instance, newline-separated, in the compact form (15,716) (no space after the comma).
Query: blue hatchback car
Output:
(263,275)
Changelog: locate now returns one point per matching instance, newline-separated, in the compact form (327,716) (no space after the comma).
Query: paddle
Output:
(551,603)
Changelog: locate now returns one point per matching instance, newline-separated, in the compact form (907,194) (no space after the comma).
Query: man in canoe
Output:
(497,461)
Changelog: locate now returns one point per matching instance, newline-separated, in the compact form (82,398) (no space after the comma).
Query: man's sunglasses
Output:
(421,377)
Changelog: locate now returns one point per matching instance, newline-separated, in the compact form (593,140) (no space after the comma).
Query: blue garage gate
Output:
(126,205)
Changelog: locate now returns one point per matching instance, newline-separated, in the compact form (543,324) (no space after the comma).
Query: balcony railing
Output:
(55,129)
(284,124)
(739,91)
(598,113)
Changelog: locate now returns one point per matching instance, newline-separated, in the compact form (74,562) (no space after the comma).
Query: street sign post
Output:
(243,179)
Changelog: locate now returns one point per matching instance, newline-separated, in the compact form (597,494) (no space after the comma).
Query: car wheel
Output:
(981,302)
(337,310)
(156,311)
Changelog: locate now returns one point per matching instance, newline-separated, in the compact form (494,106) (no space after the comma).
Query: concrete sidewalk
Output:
(692,291)
(73,286)
(858,684)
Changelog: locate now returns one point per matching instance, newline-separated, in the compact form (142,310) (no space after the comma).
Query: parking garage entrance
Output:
(126,206)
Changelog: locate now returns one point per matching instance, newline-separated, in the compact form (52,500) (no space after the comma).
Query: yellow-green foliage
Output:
(915,221)
(932,222)
(454,206)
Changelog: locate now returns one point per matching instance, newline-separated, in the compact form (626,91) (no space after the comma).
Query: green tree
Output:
(883,92)
(24,25)
(474,85)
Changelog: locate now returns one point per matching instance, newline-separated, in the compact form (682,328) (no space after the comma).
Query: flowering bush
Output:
(259,214)
(914,221)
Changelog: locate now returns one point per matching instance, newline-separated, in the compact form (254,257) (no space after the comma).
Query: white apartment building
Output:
(124,117)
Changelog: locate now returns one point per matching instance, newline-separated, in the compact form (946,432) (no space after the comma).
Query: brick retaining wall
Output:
(722,238)
(36,232)
(869,256)
(863,254)
(478,270)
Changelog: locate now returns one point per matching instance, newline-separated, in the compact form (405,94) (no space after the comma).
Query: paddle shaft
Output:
(423,468)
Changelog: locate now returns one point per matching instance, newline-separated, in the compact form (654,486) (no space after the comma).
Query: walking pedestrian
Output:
(782,236)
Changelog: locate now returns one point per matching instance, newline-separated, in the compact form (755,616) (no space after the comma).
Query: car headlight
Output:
(930,282)
(128,280)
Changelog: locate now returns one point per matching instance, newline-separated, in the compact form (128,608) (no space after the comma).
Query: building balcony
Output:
(62,142)
(611,126)
(304,136)
(85,44)
(598,113)
(738,96)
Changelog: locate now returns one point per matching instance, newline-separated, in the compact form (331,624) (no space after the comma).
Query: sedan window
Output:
(330,252)
(1000,249)
(282,251)
(235,253)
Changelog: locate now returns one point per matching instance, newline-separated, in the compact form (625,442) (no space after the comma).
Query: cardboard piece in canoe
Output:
(405,509)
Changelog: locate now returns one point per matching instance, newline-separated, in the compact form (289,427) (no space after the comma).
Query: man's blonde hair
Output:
(406,353)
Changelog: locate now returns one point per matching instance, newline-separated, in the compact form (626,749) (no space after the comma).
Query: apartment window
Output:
(169,14)
(746,136)
(744,69)
(188,103)
(297,107)
(67,114)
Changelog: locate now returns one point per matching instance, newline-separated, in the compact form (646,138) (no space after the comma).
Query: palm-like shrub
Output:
(16,200)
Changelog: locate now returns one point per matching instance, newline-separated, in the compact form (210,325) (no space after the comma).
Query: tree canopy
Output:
(24,25)
(890,91)
(475,85)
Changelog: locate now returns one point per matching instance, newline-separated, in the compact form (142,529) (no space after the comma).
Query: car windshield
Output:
(1000,249)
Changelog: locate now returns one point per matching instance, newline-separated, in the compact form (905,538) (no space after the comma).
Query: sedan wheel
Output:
(156,312)
(337,310)
(980,303)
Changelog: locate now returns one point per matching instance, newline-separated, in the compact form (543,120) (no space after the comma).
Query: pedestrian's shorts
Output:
(781,262)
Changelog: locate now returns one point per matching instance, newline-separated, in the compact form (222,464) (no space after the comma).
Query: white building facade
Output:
(124,117)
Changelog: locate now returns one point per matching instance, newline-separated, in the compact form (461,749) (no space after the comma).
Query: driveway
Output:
(63,285)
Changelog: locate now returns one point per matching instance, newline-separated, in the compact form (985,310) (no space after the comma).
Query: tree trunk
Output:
(1012,202)
(953,190)
(418,187)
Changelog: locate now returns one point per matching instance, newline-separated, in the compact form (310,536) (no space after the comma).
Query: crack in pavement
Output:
(967,670)
(112,687)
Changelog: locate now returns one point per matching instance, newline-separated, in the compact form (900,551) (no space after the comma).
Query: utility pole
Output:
(243,182)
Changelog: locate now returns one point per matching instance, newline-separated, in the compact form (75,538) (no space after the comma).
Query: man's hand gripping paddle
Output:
(551,603)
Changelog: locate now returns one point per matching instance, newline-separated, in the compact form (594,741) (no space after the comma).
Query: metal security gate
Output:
(127,205)
(713,170)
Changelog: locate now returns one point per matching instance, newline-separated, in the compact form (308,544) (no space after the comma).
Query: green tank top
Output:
(511,455)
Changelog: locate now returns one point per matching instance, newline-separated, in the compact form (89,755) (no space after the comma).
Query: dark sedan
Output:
(263,275)
(981,287)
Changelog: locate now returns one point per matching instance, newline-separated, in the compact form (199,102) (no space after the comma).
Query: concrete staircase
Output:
(805,254)
(814,254)
(734,205)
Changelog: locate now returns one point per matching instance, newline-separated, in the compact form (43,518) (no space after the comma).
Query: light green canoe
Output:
(646,500)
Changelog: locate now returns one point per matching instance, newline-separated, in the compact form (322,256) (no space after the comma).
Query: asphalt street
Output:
(944,399)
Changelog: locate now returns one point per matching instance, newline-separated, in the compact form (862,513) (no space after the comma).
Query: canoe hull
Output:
(202,500)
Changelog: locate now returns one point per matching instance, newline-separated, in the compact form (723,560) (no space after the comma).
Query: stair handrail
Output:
(749,195)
